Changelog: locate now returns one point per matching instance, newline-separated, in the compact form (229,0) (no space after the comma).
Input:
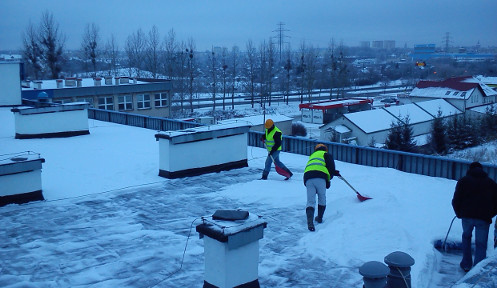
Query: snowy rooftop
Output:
(109,220)
(415,114)
(257,119)
(85,82)
(440,92)
(363,119)
(483,109)
(433,106)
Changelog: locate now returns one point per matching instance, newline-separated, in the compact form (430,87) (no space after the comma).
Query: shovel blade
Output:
(363,198)
(282,172)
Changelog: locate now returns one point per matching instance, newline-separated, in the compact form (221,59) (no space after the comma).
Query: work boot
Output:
(310,215)
(264,175)
(321,209)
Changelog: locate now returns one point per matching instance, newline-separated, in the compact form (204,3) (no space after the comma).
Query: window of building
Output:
(125,102)
(447,93)
(455,93)
(160,99)
(87,100)
(106,103)
(463,94)
(143,101)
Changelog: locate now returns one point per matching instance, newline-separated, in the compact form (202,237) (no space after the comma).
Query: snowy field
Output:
(110,221)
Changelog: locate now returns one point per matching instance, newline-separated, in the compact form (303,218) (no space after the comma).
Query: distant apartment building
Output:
(383,44)
(149,97)
(389,44)
(365,44)
(377,44)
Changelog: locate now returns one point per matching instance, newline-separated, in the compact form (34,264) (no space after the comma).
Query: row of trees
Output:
(457,133)
(261,72)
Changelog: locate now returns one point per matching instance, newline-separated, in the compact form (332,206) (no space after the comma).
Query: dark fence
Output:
(154,123)
(375,157)
(367,156)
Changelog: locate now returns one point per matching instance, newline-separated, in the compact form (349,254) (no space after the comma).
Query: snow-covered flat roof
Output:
(441,92)
(416,114)
(433,106)
(372,120)
(85,82)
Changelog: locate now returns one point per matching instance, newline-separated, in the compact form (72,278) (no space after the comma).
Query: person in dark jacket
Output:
(272,140)
(475,203)
(318,173)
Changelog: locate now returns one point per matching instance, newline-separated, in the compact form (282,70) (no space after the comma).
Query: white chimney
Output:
(97,81)
(108,80)
(59,83)
(80,82)
(37,84)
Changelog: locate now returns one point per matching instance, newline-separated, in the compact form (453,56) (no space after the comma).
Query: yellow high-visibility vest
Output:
(270,138)
(317,163)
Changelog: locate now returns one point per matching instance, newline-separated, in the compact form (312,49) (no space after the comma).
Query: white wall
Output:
(53,122)
(10,84)
(20,183)
(204,153)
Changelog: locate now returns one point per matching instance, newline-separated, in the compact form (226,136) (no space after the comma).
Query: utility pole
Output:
(447,42)
(281,36)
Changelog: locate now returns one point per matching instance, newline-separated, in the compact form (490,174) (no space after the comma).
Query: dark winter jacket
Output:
(475,196)
(330,164)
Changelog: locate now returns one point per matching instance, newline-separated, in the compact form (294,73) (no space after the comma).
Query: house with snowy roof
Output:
(464,93)
(373,126)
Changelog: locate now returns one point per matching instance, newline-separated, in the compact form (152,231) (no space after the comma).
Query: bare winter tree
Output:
(183,58)
(52,43)
(235,54)
(135,49)
(262,65)
(32,52)
(212,67)
(288,67)
(90,45)
(224,66)
(170,54)
(112,55)
(271,56)
(191,68)
(310,60)
(153,51)
(251,69)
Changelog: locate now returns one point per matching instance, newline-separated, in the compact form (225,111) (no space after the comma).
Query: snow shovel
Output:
(279,170)
(359,196)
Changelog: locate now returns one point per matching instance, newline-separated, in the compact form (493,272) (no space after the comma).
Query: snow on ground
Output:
(110,221)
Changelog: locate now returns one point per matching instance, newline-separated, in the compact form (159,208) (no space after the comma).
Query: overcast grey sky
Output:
(233,22)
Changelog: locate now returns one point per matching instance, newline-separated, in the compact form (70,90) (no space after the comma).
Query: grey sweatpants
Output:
(316,186)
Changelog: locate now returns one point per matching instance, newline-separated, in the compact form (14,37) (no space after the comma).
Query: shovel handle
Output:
(346,182)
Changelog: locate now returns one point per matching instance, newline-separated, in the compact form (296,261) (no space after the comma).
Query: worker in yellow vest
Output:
(318,172)
(272,139)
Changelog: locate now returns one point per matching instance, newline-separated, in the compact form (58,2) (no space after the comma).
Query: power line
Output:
(281,36)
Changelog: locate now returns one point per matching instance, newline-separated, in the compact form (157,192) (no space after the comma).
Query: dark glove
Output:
(328,184)
(337,173)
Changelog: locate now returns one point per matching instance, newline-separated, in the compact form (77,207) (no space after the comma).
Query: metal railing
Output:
(142,121)
(408,162)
